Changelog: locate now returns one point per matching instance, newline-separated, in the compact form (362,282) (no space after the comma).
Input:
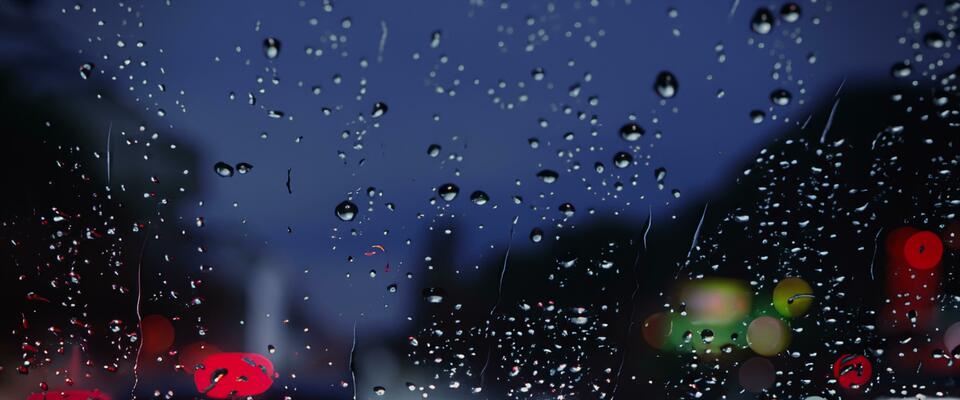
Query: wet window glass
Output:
(480,199)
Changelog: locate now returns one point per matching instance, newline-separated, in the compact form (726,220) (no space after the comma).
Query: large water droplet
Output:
(548,176)
(780,97)
(223,169)
(622,159)
(379,108)
(479,198)
(901,70)
(271,47)
(86,70)
(790,12)
(536,235)
(631,132)
(448,191)
(762,21)
(346,210)
(934,40)
(243,167)
(567,209)
(433,295)
(666,85)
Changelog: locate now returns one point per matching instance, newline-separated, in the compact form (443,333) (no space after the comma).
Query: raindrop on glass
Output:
(901,70)
(346,211)
(479,198)
(622,159)
(762,21)
(223,169)
(548,176)
(271,47)
(538,74)
(433,295)
(934,40)
(567,209)
(86,70)
(243,167)
(790,12)
(780,97)
(536,235)
(631,132)
(448,191)
(666,85)
(379,108)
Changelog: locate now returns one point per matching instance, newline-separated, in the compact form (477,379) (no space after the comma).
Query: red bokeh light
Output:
(158,334)
(227,375)
(852,371)
(923,250)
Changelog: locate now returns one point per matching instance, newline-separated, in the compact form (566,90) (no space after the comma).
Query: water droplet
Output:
(433,295)
(448,191)
(379,390)
(538,74)
(757,116)
(433,150)
(346,211)
(86,70)
(435,39)
(934,40)
(707,336)
(243,167)
(379,108)
(271,47)
(762,21)
(631,132)
(901,70)
(780,97)
(479,198)
(666,85)
(567,209)
(548,176)
(223,169)
(536,235)
(622,159)
(790,12)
